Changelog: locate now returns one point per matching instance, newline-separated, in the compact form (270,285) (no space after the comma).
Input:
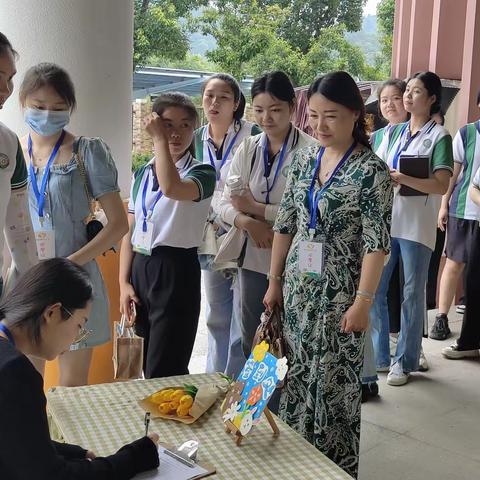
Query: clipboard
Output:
(172,472)
(414,166)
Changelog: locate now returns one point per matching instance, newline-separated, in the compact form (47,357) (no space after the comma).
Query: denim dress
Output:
(66,207)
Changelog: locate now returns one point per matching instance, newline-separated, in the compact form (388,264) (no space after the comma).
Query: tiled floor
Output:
(428,429)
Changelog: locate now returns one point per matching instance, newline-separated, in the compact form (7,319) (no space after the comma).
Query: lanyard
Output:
(267,168)
(8,333)
(315,198)
(410,139)
(148,214)
(40,194)
(224,157)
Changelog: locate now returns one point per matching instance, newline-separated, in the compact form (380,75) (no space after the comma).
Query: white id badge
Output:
(45,239)
(144,240)
(310,257)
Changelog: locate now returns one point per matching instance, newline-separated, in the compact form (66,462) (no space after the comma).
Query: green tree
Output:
(157,30)
(385,21)
(331,51)
(242,33)
(307,17)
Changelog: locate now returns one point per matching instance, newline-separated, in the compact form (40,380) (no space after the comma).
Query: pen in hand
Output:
(147,422)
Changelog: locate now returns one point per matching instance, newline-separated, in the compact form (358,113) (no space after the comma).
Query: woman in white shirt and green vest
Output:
(15,219)
(215,144)
(414,221)
(262,164)
(159,269)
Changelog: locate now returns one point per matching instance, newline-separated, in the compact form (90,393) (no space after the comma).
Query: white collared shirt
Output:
(176,223)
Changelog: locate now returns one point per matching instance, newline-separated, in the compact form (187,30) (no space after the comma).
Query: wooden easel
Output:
(233,430)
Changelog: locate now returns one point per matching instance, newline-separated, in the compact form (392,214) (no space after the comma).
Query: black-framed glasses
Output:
(83,333)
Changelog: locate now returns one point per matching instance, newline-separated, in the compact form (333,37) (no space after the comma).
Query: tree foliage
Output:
(385,21)
(249,41)
(157,29)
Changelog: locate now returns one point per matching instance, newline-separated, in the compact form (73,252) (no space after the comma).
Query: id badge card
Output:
(144,240)
(45,239)
(311,257)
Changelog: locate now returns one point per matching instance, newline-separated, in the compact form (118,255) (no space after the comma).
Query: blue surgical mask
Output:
(46,122)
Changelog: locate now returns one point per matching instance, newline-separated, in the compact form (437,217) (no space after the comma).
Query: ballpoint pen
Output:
(147,422)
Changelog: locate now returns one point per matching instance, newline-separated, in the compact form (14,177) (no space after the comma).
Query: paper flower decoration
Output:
(282,368)
(255,395)
(231,412)
(260,350)
(247,423)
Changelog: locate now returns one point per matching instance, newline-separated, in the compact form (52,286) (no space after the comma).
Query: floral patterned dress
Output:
(321,397)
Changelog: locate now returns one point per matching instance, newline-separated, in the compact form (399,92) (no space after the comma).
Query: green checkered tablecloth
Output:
(104,417)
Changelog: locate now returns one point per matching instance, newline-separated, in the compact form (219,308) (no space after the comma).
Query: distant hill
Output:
(367,38)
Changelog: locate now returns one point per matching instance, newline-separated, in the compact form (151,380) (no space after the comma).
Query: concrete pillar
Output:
(468,110)
(401,38)
(448,24)
(420,36)
(93,41)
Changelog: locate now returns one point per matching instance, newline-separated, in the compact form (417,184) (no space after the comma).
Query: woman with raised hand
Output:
(215,144)
(66,172)
(414,220)
(42,316)
(159,269)
(331,238)
(14,214)
(261,164)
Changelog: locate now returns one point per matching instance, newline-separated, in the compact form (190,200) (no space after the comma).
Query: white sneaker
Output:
(397,376)
(460,309)
(452,352)
(393,345)
(422,362)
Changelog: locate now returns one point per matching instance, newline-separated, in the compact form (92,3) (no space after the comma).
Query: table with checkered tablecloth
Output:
(104,417)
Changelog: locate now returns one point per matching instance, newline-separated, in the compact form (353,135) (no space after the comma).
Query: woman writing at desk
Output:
(43,315)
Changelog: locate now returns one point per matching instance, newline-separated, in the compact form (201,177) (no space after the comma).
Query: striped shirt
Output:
(466,151)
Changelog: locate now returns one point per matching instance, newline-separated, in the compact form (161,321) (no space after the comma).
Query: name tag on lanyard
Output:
(311,253)
(144,236)
(144,240)
(311,257)
(45,234)
(45,238)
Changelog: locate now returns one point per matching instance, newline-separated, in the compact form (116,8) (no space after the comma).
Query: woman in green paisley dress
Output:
(326,307)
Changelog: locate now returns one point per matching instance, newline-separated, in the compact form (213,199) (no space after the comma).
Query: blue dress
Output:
(66,207)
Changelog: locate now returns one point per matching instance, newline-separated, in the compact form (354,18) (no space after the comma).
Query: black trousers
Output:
(168,286)
(395,297)
(433,270)
(470,334)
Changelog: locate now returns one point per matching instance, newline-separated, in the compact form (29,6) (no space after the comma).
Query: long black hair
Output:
(6,46)
(57,280)
(340,87)
(238,95)
(277,84)
(432,83)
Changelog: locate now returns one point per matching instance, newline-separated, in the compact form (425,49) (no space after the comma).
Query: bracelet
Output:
(274,277)
(362,293)
(365,299)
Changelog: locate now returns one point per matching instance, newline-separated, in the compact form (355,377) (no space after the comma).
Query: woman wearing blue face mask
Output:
(65,172)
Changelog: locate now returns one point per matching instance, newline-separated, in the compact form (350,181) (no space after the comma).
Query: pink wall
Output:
(442,36)
(448,27)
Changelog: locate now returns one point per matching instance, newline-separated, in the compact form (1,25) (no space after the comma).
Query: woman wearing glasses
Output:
(42,316)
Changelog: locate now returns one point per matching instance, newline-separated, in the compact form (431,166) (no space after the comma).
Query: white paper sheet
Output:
(171,469)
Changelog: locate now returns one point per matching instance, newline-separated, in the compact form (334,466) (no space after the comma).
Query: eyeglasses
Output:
(83,333)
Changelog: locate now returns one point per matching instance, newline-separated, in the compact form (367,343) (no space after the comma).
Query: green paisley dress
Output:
(321,397)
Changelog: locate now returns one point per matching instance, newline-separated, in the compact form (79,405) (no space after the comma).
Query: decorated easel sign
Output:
(248,397)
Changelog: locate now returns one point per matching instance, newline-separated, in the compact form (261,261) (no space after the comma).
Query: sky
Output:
(370,7)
